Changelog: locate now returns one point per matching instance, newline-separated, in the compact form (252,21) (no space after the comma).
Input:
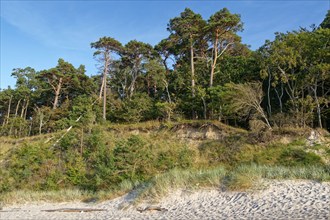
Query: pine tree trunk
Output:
(318,107)
(81,141)
(17,107)
(23,108)
(214,63)
(268,95)
(106,64)
(26,108)
(101,89)
(192,65)
(57,93)
(5,121)
(105,97)
(204,108)
(41,122)
(168,93)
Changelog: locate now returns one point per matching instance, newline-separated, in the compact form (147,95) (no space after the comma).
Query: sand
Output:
(280,200)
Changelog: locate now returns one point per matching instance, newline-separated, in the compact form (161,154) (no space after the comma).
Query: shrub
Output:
(70,140)
(296,157)
(31,166)
(222,152)
(166,160)
(75,169)
(133,159)
(7,183)
(186,157)
(136,109)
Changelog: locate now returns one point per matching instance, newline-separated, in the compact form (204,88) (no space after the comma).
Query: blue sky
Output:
(38,33)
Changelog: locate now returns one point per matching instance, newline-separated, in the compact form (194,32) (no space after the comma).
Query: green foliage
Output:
(106,44)
(28,164)
(186,158)
(82,106)
(277,154)
(326,22)
(91,161)
(7,183)
(296,157)
(136,109)
(133,159)
(220,153)
(76,169)
(166,109)
(69,141)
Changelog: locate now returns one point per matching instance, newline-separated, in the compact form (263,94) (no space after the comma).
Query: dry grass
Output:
(162,184)
(143,126)
(20,196)
(8,143)
(244,177)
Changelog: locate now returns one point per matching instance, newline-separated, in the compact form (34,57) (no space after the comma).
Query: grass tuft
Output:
(163,184)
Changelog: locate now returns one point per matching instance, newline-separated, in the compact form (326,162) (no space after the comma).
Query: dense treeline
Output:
(200,71)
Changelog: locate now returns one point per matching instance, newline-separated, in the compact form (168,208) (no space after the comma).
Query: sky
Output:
(38,33)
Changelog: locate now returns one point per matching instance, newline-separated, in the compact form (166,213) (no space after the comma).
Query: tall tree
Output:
(221,32)
(135,56)
(318,67)
(188,30)
(165,48)
(297,66)
(104,47)
(58,78)
(26,86)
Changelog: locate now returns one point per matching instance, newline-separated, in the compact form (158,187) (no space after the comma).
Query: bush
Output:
(133,159)
(31,165)
(224,152)
(136,109)
(166,160)
(70,140)
(296,157)
(186,158)
(7,183)
(75,169)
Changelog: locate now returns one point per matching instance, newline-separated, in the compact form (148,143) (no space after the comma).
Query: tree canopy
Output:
(201,70)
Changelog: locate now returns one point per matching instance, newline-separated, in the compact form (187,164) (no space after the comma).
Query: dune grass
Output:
(319,173)
(175,179)
(24,196)
(241,178)
(248,176)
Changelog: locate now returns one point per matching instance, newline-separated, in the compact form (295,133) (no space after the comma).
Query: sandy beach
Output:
(279,200)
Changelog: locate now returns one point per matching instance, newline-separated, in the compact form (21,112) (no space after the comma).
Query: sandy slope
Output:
(281,200)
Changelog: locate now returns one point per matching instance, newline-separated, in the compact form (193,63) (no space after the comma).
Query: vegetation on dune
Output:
(105,162)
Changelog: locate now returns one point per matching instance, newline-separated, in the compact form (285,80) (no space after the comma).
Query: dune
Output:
(289,199)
